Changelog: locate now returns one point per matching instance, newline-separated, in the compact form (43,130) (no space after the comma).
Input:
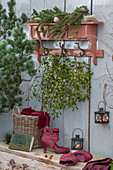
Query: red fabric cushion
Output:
(27,111)
(102,164)
(43,119)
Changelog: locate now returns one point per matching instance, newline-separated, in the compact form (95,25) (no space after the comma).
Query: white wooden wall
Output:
(101,135)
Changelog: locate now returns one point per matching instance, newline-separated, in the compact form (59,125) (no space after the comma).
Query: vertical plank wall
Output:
(101,135)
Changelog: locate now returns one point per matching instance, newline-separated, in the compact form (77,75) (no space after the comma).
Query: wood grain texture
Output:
(52,3)
(23,6)
(37,5)
(38,155)
(71,5)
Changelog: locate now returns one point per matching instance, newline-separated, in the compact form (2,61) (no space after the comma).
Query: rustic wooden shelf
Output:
(38,155)
(87,31)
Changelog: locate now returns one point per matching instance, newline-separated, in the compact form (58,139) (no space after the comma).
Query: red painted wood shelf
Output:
(87,31)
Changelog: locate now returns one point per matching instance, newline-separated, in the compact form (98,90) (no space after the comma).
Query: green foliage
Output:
(7,137)
(64,84)
(7,21)
(111,166)
(15,57)
(65,20)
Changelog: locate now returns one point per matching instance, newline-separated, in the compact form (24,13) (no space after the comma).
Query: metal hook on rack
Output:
(63,50)
(78,47)
(83,52)
(46,50)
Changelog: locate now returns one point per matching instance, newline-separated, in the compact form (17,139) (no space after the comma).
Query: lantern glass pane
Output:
(105,118)
(77,145)
(98,118)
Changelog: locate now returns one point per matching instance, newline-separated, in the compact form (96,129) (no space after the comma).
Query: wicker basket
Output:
(26,125)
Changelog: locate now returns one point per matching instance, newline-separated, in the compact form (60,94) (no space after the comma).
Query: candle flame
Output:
(77,146)
(105,118)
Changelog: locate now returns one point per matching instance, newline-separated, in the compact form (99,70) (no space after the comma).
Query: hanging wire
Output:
(64,5)
(89,107)
(63,59)
(64,11)
(91,7)
(30,9)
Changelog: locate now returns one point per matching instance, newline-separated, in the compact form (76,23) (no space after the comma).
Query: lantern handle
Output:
(104,105)
(75,130)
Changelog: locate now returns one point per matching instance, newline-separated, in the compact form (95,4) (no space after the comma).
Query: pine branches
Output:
(66,20)
(15,57)
(7,22)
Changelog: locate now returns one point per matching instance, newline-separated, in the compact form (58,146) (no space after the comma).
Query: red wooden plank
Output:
(72,52)
(95,22)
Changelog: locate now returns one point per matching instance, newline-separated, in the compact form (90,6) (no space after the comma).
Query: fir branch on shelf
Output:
(66,20)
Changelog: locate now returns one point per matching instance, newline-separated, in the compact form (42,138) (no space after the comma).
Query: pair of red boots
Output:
(51,136)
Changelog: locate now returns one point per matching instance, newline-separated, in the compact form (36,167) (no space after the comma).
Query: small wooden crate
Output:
(26,125)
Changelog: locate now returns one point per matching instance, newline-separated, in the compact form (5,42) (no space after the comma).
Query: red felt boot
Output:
(50,137)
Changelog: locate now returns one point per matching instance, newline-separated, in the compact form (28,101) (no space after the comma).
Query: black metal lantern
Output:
(76,141)
(102,116)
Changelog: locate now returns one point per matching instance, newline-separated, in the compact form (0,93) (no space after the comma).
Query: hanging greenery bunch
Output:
(63,21)
(64,84)
(15,58)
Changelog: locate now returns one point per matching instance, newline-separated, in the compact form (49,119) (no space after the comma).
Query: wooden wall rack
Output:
(87,31)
